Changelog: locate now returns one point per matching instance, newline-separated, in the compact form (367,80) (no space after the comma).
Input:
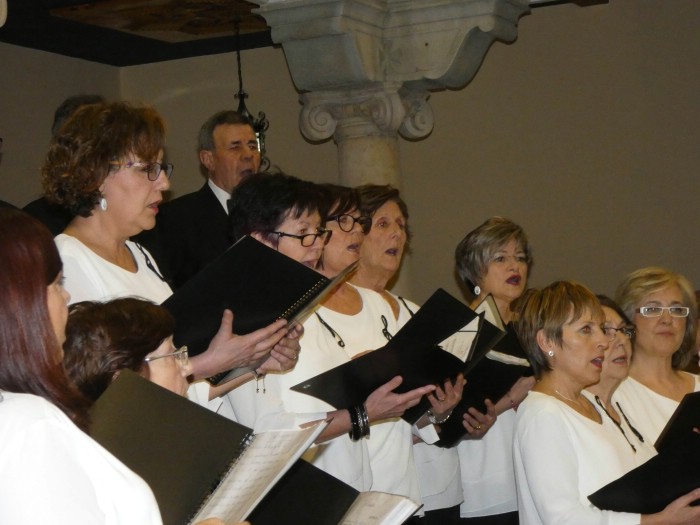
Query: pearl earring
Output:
(477,290)
(103,204)
(550,353)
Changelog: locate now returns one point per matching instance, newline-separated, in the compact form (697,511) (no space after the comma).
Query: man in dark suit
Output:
(194,229)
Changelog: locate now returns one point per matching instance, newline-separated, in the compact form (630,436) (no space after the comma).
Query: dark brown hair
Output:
(78,160)
(30,353)
(104,338)
(374,196)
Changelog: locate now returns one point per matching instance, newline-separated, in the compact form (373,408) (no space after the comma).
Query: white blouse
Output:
(560,458)
(54,473)
(649,410)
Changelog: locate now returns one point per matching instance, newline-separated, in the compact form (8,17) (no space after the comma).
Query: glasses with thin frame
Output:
(346,222)
(612,331)
(308,239)
(657,311)
(181,356)
(151,169)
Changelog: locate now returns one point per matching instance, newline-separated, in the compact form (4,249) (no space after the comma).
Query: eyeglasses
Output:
(152,169)
(181,356)
(657,311)
(307,239)
(612,331)
(346,222)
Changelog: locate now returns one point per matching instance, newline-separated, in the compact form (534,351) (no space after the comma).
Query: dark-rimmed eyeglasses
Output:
(346,222)
(308,239)
(657,311)
(181,356)
(151,169)
(612,331)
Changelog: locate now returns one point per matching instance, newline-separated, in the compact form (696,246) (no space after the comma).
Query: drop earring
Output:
(103,204)
(477,290)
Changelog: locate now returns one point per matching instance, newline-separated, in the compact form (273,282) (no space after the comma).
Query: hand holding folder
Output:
(413,353)
(259,285)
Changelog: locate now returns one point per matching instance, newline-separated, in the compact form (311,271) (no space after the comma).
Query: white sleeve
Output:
(43,482)
(550,471)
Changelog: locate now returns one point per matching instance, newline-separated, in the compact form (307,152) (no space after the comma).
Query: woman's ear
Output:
(545,343)
(261,238)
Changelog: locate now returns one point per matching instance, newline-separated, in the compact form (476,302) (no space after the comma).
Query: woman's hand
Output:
(228,351)
(678,512)
(517,393)
(444,400)
(285,354)
(478,423)
(383,403)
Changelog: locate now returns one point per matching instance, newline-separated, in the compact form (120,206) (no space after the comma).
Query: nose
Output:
(66,295)
(163,182)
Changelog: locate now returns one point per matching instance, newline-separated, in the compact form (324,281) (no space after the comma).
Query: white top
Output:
(644,447)
(649,410)
(487,472)
(89,277)
(438,468)
(270,404)
(384,462)
(390,444)
(560,458)
(54,473)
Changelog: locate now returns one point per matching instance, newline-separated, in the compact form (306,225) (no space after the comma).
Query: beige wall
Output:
(32,85)
(585,131)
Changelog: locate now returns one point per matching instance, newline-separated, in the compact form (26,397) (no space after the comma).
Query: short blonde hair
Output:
(548,310)
(640,283)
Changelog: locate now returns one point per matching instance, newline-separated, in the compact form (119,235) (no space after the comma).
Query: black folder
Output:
(488,378)
(413,353)
(649,488)
(685,418)
(182,450)
(257,283)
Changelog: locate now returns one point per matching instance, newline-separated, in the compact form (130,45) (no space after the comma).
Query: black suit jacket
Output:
(52,215)
(191,231)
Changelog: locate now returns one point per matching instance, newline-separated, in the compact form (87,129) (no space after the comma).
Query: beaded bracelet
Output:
(434,421)
(359,419)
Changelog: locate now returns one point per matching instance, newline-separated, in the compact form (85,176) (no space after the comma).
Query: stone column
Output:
(366,67)
(365,123)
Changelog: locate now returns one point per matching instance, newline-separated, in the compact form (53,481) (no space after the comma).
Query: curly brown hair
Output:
(78,160)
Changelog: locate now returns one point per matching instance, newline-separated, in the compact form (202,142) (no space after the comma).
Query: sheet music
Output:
(268,456)
(378,508)
(460,343)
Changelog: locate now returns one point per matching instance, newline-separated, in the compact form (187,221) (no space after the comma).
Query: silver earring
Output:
(550,353)
(477,290)
(103,204)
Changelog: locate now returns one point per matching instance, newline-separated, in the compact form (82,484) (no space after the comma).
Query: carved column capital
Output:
(379,110)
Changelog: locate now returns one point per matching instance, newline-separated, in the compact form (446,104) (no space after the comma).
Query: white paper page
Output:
(379,508)
(264,461)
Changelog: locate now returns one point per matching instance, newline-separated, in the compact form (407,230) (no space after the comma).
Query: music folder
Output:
(685,418)
(649,488)
(258,284)
(413,353)
(502,365)
(197,463)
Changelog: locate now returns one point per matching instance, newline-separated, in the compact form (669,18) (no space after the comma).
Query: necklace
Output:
(584,409)
(565,397)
